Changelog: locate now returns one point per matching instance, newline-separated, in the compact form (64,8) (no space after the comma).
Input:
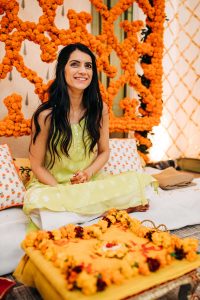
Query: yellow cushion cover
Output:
(118,251)
(40,273)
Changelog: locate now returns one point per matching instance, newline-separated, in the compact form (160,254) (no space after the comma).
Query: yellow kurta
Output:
(98,195)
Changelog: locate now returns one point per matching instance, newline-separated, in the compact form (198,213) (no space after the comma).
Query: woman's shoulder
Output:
(45,115)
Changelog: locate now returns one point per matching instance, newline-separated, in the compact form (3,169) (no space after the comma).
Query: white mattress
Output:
(12,231)
(174,208)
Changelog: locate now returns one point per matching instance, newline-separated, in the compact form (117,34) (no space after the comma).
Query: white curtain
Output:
(178,135)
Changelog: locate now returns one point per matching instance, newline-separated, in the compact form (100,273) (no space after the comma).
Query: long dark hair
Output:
(59,104)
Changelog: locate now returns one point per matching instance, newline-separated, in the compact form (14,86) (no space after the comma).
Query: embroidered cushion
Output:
(11,187)
(123,157)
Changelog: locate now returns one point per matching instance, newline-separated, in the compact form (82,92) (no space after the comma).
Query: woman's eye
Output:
(88,66)
(74,64)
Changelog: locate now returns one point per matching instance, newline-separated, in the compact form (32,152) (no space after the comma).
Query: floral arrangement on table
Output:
(104,260)
(140,114)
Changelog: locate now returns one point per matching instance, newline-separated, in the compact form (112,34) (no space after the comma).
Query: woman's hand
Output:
(80,177)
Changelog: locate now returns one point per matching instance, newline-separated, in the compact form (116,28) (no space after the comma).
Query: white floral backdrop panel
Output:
(178,134)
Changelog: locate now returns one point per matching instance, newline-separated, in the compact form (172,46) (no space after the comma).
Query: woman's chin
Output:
(78,87)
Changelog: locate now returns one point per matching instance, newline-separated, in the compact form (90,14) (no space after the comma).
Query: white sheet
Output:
(49,220)
(174,208)
(13,225)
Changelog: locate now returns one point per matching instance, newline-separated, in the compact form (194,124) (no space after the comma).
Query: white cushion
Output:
(13,224)
(123,157)
(12,189)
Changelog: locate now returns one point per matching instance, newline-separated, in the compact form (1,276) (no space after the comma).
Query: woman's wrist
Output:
(89,173)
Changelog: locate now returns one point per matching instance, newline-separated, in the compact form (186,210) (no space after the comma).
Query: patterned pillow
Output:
(123,157)
(11,187)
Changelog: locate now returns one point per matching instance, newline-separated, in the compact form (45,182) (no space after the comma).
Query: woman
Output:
(70,145)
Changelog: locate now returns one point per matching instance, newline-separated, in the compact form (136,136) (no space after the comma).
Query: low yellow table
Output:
(47,280)
(117,258)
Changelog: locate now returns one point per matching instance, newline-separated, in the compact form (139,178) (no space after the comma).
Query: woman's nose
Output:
(82,69)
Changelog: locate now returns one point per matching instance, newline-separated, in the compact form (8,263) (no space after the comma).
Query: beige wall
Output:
(32,12)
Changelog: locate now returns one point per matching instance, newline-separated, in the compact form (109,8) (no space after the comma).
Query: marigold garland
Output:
(14,124)
(82,275)
(139,114)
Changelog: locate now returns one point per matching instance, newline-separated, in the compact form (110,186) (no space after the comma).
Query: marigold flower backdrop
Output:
(143,44)
(141,113)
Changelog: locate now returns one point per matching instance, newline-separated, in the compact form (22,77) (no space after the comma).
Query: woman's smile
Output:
(81,78)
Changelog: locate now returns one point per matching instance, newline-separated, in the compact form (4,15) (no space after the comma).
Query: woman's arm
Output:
(103,151)
(38,150)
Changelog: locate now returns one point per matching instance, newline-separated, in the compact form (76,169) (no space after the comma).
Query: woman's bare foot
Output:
(138,208)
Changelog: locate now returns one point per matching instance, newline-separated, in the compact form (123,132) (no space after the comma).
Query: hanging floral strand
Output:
(26,100)
(24,49)
(63,10)
(23,4)
(10,77)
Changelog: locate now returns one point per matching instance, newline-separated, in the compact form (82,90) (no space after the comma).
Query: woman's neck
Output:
(76,98)
(76,106)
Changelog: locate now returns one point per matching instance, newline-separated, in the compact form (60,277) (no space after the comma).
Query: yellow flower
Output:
(111,249)
(191,256)
(127,270)
(30,239)
(161,239)
(94,231)
(117,277)
(70,231)
(103,225)
(50,253)
(57,234)
(135,225)
(144,269)
(190,244)
(87,283)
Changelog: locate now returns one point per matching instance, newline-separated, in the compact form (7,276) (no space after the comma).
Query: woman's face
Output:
(78,70)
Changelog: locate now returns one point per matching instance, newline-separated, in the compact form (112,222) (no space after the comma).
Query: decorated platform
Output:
(116,258)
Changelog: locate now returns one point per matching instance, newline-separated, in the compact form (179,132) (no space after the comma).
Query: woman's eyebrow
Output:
(74,60)
(78,61)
